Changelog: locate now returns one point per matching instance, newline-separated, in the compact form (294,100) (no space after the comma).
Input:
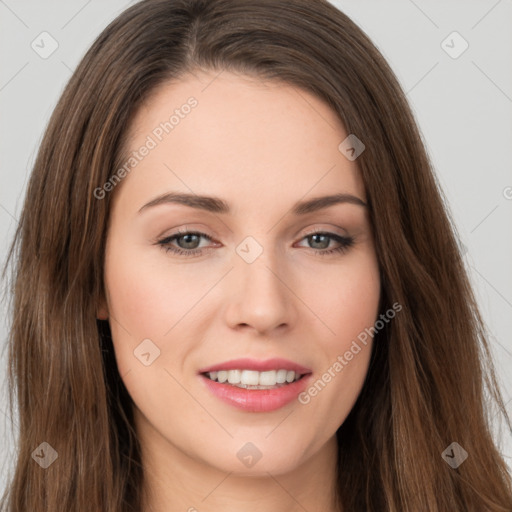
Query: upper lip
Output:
(257,365)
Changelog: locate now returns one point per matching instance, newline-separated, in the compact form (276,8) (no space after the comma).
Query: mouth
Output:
(256,386)
(252,379)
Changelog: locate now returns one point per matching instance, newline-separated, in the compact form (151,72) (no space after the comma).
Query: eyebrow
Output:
(217,205)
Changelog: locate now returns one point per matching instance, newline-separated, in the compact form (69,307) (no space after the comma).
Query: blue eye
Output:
(189,238)
(345,242)
(189,242)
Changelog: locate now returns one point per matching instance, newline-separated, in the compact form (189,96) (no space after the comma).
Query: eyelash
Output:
(345,241)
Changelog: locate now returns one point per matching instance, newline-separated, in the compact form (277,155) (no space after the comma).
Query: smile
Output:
(256,386)
(251,379)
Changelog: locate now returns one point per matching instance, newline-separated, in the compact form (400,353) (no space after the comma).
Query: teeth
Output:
(268,378)
(249,377)
(234,376)
(252,378)
(281,376)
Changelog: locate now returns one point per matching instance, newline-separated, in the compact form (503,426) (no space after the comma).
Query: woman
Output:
(237,284)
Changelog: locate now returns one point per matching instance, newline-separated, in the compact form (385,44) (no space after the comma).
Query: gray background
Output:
(463,106)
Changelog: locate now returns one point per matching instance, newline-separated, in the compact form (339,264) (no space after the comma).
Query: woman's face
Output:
(257,285)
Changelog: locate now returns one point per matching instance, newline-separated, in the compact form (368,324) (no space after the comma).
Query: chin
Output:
(257,459)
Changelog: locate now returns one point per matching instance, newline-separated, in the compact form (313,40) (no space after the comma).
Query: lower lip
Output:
(257,400)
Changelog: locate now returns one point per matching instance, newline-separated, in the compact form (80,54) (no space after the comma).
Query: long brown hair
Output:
(431,367)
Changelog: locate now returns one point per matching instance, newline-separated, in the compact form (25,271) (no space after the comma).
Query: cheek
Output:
(346,300)
(152,299)
(134,302)
(348,309)
(146,299)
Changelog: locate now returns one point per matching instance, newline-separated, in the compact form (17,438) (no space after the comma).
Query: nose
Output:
(261,297)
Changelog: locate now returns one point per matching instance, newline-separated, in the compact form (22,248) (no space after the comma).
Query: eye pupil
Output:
(187,238)
(323,245)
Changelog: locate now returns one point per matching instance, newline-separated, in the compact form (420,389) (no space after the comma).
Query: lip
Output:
(275,363)
(257,400)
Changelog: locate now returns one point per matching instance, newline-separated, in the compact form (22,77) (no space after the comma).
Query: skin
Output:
(260,146)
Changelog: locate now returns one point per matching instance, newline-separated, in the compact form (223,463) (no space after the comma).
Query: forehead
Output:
(229,134)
